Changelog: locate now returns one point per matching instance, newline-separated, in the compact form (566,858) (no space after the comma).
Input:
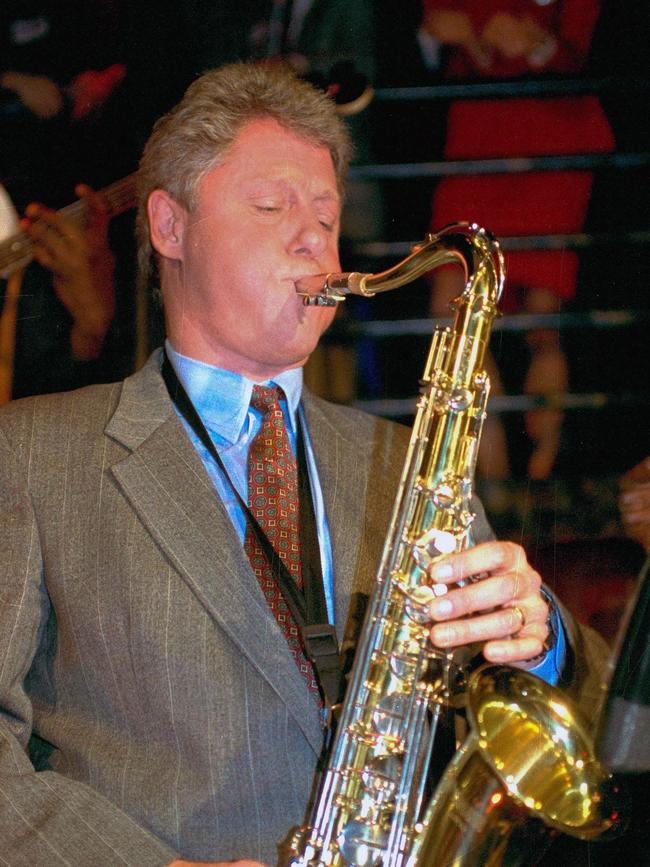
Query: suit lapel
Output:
(166,484)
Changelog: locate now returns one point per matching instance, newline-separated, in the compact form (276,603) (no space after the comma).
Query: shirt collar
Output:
(222,398)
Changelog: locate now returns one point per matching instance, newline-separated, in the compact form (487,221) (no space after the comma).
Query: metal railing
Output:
(349,331)
(506,165)
(389,328)
(510,89)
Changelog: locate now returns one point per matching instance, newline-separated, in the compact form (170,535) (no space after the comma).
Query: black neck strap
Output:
(308,607)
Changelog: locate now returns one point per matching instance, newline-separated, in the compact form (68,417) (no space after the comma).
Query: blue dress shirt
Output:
(222,400)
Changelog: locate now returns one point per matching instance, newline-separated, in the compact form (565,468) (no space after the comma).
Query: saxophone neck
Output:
(469,246)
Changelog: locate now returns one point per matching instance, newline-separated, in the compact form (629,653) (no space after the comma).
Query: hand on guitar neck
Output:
(82,266)
(634,502)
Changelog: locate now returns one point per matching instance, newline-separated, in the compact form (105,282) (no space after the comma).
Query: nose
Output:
(311,237)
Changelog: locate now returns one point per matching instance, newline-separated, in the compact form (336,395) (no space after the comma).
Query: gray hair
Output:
(195,136)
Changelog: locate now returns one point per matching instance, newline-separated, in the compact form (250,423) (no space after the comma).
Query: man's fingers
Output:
(45,258)
(478,596)
(503,609)
(97,213)
(51,248)
(504,623)
(47,226)
(504,591)
(641,516)
(515,650)
(489,557)
(92,198)
(635,499)
(637,475)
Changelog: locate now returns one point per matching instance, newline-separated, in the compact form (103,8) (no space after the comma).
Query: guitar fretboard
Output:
(17,250)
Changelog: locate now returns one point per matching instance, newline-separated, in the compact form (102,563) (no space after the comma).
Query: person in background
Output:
(82,266)
(58,323)
(509,39)
(64,322)
(60,69)
(634,502)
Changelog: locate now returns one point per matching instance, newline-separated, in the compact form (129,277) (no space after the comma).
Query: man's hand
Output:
(82,266)
(451,27)
(216,864)
(507,611)
(515,37)
(634,502)
(37,93)
(510,35)
(90,89)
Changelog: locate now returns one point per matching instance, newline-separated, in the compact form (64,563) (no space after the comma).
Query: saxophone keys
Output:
(418,602)
(390,715)
(381,777)
(363,844)
(432,544)
(460,399)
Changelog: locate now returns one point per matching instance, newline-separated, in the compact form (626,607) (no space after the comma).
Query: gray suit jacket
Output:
(140,667)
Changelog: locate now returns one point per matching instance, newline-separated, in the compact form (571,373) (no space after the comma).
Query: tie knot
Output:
(265,399)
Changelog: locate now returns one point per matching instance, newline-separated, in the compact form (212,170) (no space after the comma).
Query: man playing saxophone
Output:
(157,703)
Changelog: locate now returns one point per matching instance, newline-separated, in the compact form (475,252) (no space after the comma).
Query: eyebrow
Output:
(327,197)
(323,196)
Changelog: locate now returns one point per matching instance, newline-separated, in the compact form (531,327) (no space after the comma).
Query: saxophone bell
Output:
(526,772)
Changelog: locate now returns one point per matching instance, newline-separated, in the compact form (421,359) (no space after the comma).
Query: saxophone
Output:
(527,745)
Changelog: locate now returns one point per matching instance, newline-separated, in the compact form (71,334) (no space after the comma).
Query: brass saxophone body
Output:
(369,809)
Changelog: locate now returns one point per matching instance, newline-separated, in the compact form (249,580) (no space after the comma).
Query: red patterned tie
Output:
(273,500)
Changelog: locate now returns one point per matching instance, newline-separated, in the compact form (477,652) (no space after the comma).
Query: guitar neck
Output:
(17,251)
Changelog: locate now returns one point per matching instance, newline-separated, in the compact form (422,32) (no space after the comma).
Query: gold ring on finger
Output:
(521,614)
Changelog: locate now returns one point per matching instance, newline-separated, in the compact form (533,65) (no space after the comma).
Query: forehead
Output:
(264,149)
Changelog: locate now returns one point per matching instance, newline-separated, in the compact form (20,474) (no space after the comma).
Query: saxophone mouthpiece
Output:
(316,291)
(326,290)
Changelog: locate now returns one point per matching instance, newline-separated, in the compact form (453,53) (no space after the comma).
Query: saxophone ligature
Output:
(528,753)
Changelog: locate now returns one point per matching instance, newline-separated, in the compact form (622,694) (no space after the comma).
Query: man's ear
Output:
(167,223)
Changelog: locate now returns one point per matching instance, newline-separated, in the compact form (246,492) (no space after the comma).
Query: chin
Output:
(303,345)
(288,362)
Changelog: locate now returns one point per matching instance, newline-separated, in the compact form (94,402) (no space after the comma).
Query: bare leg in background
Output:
(547,375)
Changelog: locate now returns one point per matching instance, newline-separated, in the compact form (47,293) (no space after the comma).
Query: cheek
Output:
(231,280)
(330,259)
